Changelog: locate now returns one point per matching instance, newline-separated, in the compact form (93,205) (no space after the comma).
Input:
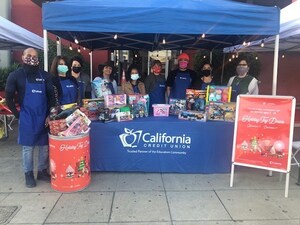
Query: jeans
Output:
(43,160)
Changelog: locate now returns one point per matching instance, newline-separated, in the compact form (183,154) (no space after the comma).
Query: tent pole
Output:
(223,64)
(275,65)
(91,65)
(167,64)
(148,64)
(58,46)
(275,72)
(45,50)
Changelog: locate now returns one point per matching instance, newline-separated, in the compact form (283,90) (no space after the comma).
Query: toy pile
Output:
(116,107)
(68,120)
(201,105)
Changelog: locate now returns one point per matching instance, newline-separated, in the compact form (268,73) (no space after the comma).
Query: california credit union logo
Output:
(132,139)
(129,138)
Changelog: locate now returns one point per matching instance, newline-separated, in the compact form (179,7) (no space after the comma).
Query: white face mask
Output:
(135,76)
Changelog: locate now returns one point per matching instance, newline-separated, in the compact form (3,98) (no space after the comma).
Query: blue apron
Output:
(111,87)
(81,87)
(157,95)
(33,113)
(135,89)
(181,83)
(69,92)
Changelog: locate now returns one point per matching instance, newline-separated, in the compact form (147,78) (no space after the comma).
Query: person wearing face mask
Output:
(108,84)
(155,84)
(83,80)
(243,83)
(35,93)
(66,85)
(133,85)
(205,79)
(180,79)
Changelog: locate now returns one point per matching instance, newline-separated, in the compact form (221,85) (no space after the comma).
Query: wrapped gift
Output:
(57,126)
(223,111)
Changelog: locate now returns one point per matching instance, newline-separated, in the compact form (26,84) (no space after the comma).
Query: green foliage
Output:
(202,56)
(4,72)
(65,51)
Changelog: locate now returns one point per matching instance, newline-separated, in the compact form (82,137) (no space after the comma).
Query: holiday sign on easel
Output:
(263,133)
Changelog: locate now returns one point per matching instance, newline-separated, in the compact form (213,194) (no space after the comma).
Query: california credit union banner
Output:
(264,131)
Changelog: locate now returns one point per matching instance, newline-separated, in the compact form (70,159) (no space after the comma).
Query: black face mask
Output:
(76,69)
(206,73)
(30,69)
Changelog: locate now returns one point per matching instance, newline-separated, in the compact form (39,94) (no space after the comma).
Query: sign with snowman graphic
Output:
(264,131)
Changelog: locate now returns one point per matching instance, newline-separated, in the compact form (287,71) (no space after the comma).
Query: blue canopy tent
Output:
(145,24)
(289,38)
(158,24)
(14,37)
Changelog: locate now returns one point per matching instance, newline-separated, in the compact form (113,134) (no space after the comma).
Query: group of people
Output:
(38,91)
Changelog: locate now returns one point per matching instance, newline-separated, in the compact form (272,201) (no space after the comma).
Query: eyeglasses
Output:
(243,64)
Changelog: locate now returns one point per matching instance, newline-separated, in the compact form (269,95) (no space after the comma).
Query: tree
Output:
(65,51)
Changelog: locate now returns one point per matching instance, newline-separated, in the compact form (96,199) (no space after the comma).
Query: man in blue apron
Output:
(155,85)
(180,79)
(243,83)
(35,95)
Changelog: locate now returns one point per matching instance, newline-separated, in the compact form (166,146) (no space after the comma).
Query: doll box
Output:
(115,100)
(161,109)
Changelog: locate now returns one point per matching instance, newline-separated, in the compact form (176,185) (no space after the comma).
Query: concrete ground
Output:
(148,198)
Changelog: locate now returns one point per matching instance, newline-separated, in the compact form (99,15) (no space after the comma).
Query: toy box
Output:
(91,107)
(223,111)
(139,105)
(161,109)
(195,99)
(176,105)
(192,115)
(115,100)
(100,87)
(124,114)
(218,93)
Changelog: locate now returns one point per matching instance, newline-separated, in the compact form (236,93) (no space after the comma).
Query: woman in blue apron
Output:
(67,87)
(155,85)
(83,80)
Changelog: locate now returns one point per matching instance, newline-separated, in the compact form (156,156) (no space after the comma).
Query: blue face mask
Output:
(62,68)
(134,76)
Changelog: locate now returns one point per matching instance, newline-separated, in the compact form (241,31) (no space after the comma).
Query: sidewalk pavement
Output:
(148,198)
